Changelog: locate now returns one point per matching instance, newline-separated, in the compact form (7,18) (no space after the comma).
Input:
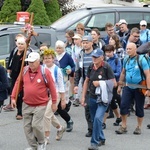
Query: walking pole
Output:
(28,29)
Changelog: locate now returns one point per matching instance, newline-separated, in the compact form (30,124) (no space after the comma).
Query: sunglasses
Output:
(143,25)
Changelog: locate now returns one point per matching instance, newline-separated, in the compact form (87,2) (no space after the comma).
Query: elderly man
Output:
(97,75)
(135,70)
(35,87)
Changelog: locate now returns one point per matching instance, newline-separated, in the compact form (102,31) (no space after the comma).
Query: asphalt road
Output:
(12,136)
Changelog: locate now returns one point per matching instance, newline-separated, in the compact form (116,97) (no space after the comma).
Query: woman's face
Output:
(48,60)
(68,38)
(112,41)
(59,50)
(95,36)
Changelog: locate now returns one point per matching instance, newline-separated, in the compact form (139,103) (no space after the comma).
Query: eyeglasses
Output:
(143,25)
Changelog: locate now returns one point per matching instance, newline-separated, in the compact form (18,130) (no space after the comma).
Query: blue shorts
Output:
(128,95)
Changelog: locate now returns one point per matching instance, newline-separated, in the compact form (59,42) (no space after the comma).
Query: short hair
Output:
(80,26)
(96,30)
(135,30)
(60,44)
(44,44)
(108,25)
(109,48)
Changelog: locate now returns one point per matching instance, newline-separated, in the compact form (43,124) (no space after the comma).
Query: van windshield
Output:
(69,19)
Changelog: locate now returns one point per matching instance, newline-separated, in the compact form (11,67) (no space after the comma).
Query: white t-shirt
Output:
(60,87)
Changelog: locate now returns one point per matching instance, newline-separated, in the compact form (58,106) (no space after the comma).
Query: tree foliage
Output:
(40,15)
(53,10)
(8,10)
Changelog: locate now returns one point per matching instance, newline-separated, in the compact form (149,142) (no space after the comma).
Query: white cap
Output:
(143,22)
(122,21)
(77,36)
(21,40)
(33,56)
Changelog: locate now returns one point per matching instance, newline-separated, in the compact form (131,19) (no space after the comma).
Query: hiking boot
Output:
(104,126)
(121,130)
(60,133)
(148,126)
(137,131)
(76,103)
(102,142)
(118,120)
(69,126)
(88,134)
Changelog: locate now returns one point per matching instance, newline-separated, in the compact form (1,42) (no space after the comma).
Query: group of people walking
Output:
(108,70)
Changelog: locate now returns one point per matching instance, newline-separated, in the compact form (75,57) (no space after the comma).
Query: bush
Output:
(8,10)
(53,10)
(40,15)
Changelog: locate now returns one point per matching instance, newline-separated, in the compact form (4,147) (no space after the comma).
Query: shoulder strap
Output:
(141,69)
(43,74)
(25,69)
(147,35)
(56,73)
(116,61)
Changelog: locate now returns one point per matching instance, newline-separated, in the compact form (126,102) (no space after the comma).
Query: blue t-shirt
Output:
(133,73)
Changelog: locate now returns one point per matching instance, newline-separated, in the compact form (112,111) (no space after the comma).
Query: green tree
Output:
(40,15)
(8,10)
(53,10)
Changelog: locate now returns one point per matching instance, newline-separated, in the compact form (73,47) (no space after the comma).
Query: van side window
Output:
(99,20)
(133,18)
(4,45)
(44,38)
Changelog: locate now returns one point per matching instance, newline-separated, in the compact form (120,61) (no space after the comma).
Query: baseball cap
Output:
(143,22)
(87,38)
(33,56)
(122,21)
(77,36)
(97,53)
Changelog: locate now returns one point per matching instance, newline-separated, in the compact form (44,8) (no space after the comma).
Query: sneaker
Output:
(93,148)
(76,103)
(41,146)
(71,98)
(8,108)
(88,134)
(104,126)
(102,142)
(121,130)
(137,131)
(69,126)
(60,133)
(29,148)
(118,120)
(47,140)
(148,126)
